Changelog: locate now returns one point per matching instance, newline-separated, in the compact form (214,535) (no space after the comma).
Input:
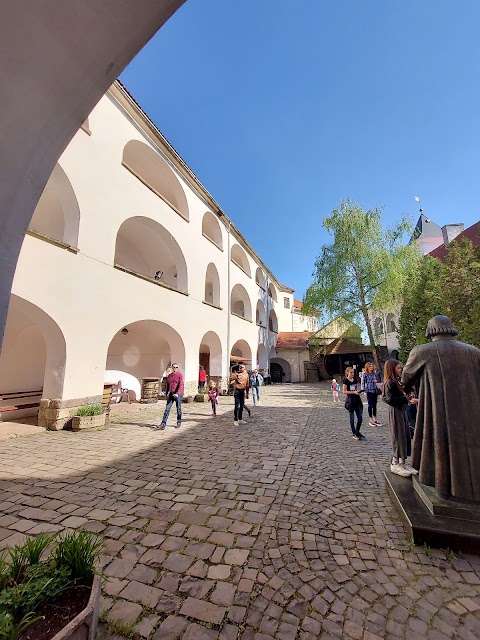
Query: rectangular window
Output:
(286,303)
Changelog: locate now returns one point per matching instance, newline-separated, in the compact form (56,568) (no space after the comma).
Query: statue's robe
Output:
(446,444)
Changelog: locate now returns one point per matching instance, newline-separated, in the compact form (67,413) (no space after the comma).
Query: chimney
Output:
(450,232)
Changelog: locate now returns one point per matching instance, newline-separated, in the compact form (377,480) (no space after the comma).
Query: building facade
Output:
(129,265)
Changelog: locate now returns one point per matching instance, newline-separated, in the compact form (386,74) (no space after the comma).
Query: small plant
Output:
(79,551)
(90,410)
(9,630)
(34,547)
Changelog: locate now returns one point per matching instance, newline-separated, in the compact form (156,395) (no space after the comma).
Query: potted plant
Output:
(93,415)
(49,589)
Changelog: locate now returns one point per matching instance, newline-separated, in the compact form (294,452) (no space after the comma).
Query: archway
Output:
(145,247)
(391,323)
(57,214)
(240,302)
(239,257)
(212,286)
(66,75)
(272,321)
(210,354)
(260,278)
(33,355)
(280,370)
(272,292)
(211,229)
(143,349)
(260,314)
(241,354)
(151,169)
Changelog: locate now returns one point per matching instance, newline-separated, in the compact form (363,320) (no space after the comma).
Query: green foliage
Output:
(451,288)
(34,547)
(363,268)
(9,630)
(4,570)
(79,551)
(40,583)
(90,410)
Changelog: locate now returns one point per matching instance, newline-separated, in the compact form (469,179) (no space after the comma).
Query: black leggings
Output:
(372,404)
(358,409)
(214,406)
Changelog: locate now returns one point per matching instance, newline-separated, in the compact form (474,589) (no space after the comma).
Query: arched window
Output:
(260,278)
(240,302)
(272,321)
(239,257)
(260,314)
(211,229)
(146,248)
(212,286)
(378,327)
(57,214)
(149,167)
(272,292)
(391,323)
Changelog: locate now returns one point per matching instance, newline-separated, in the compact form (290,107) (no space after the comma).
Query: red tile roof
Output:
(298,304)
(472,233)
(342,346)
(296,340)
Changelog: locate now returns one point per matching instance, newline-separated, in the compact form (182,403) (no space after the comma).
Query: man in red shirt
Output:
(174,394)
(202,378)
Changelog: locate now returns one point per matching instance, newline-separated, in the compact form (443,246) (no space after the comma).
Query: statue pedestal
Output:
(447,524)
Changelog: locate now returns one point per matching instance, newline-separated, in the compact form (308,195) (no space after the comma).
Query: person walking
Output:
(369,385)
(202,378)
(353,402)
(335,389)
(174,393)
(213,393)
(397,401)
(256,381)
(240,382)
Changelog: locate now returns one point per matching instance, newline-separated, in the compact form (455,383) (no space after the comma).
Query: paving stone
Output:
(204,611)
(223,594)
(146,625)
(124,611)
(138,592)
(178,562)
(236,556)
(197,632)
(171,628)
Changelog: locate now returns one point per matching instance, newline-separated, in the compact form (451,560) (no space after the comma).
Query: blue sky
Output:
(283,108)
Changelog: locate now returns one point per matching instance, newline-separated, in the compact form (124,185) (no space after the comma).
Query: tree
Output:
(363,268)
(462,289)
(422,297)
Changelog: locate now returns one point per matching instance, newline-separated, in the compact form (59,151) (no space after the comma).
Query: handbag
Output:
(348,403)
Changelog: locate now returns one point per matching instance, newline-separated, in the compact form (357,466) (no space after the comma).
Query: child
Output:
(397,401)
(353,402)
(213,393)
(335,390)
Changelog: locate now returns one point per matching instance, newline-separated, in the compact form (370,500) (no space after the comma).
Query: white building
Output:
(128,265)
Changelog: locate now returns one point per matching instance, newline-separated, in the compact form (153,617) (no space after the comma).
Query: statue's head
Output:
(440,325)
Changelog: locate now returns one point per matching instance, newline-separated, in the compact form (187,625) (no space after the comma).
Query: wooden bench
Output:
(118,393)
(106,399)
(15,396)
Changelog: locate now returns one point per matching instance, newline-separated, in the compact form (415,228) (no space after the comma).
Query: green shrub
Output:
(79,551)
(9,630)
(90,410)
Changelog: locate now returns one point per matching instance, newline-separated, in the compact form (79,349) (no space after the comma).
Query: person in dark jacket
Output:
(353,402)
(397,401)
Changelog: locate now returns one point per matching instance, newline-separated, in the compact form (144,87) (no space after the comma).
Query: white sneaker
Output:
(372,424)
(242,421)
(400,470)
(235,423)
(413,471)
(379,424)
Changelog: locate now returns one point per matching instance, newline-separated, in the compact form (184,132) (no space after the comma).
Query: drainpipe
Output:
(229,303)
(267,328)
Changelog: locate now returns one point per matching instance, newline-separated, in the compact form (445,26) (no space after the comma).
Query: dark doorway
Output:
(276,371)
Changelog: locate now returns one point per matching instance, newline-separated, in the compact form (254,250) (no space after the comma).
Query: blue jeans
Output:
(170,401)
(256,394)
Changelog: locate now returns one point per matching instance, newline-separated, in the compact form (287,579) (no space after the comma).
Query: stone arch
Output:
(211,229)
(239,257)
(378,326)
(147,349)
(272,321)
(272,292)
(151,169)
(260,317)
(260,278)
(280,370)
(57,214)
(241,353)
(143,246)
(262,359)
(34,351)
(211,354)
(391,323)
(240,302)
(212,285)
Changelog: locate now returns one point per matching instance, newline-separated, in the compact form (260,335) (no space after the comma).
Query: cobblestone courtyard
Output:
(280,528)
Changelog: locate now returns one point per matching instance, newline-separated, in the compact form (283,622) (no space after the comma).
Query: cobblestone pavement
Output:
(280,528)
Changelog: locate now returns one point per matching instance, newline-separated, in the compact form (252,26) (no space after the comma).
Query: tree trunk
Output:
(364,308)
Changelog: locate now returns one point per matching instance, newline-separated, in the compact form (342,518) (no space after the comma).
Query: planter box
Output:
(200,397)
(88,422)
(84,626)
(188,399)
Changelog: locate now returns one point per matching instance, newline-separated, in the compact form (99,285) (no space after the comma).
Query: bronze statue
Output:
(446,444)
